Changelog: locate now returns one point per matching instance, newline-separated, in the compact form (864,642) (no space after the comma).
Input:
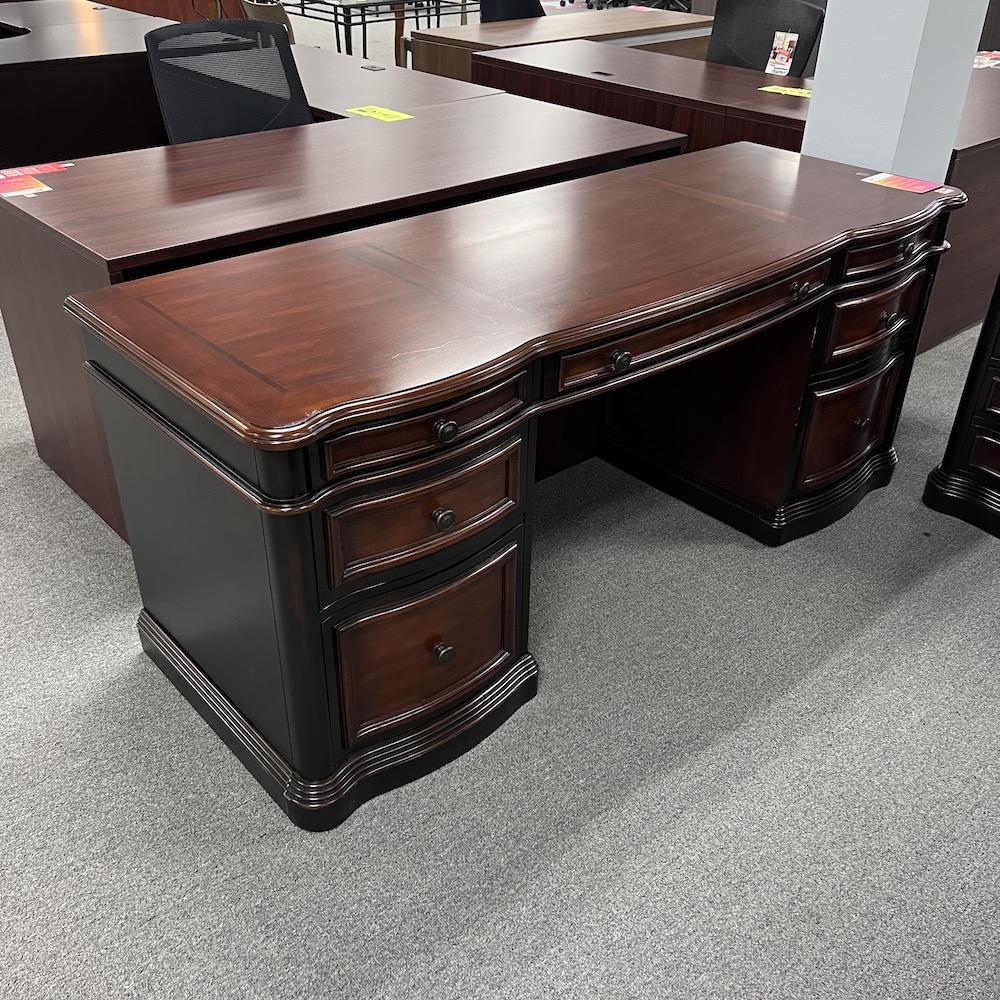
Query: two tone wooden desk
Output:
(111,218)
(327,450)
(448,51)
(716,104)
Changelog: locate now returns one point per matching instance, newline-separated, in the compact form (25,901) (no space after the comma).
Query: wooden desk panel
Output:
(714,103)
(115,217)
(76,84)
(448,51)
(426,353)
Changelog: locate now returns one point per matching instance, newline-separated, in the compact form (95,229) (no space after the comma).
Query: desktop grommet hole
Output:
(600,72)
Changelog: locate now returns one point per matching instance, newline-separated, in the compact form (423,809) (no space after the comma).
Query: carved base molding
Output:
(325,803)
(964,498)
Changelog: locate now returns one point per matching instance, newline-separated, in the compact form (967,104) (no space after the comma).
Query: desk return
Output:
(328,474)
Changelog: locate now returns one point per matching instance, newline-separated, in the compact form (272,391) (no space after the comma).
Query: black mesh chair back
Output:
(743,32)
(216,78)
(509,10)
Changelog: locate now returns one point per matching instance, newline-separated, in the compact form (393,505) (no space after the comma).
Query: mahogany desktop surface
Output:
(400,315)
(334,82)
(144,207)
(712,103)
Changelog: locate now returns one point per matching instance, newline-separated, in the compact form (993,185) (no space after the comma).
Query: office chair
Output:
(216,78)
(268,10)
(509,10)
(743,32)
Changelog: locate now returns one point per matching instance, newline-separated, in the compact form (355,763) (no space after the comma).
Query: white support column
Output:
(890,83)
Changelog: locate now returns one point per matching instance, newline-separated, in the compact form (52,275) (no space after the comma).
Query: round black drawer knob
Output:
(862,423)
(804,291)
(446,431)
(444,654)
(443,519)
(620,361)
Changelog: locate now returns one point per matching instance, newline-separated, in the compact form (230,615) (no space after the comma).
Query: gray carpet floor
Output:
(748,772)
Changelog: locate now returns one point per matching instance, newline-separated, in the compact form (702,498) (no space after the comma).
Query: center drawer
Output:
(401,663)
(579,369)
(382,532)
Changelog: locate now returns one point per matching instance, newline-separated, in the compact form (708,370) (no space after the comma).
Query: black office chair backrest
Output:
(509,10)
(216,78)
(743,32)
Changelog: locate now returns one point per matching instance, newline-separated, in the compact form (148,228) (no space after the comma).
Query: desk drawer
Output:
(860,324)
(385,532)
(594,365)
(888,255)
(846,423)
(435,430)
(399,664)
(984,455)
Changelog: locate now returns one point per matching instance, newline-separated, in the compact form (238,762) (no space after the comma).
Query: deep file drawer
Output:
(399,663)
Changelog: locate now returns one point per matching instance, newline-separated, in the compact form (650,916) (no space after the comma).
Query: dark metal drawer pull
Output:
(620,361)
(444,654)
(443,519)
(446,431)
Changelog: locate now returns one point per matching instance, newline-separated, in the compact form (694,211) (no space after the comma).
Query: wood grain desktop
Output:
(332,445)
(448,51)
(111,218)
(715,104)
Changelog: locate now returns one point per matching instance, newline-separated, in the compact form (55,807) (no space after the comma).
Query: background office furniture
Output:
(711,103)
(714,104)
(509,10)
(448,51)
(74,81)
(271,10)
(967,482)
(115,218)
(220,78)
(743,32)
(361,529)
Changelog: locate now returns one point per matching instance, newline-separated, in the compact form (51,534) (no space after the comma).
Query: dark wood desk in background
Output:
(327,450)
(722,104)
(716,104)
(112,218)
(75,83)
(448,51)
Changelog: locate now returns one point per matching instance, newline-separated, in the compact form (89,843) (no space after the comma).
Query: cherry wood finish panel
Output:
(185,10)
(374,534)
(861,324)
(434,431)
(846,423)
(398,664)
(400,316)
(719,103)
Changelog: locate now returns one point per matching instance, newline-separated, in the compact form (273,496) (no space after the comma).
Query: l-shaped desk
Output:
(326,450)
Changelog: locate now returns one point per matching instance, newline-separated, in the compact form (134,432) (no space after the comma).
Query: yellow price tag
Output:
(382,114)
(790,91)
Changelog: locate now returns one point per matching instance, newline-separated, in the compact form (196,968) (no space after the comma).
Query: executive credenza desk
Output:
(327,450)
(448,51)
(111,218)
(714,104)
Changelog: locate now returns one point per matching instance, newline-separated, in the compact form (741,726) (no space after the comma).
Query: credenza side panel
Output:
(36,275)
